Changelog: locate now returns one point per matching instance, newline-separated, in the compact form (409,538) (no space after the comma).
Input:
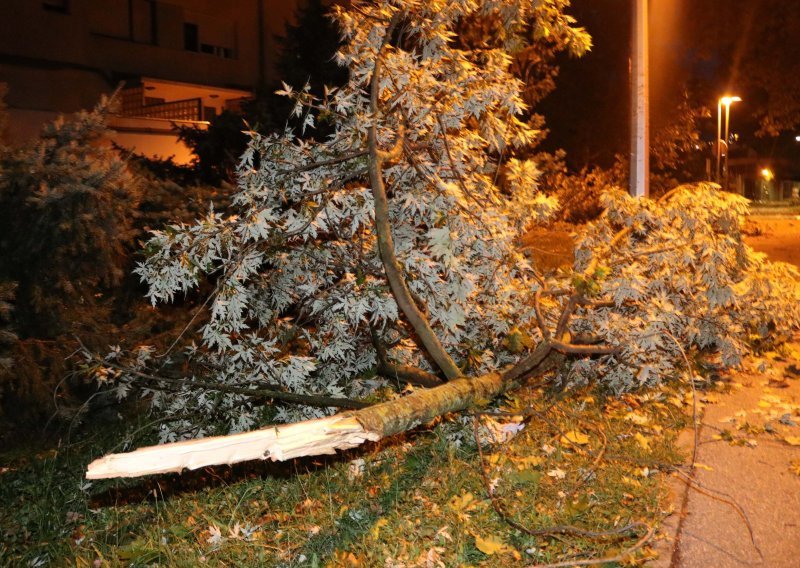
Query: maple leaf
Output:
(462,504)
(492,545)
(575,437)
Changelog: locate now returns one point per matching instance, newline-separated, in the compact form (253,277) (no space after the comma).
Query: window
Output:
(191,37)
(218,51)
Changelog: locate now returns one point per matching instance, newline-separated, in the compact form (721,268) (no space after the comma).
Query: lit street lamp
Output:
(726,102)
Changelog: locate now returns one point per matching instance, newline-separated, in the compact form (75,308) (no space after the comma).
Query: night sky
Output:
(707,48)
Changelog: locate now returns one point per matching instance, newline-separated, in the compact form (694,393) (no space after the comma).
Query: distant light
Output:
(727,100)
(767,174)
(797,138)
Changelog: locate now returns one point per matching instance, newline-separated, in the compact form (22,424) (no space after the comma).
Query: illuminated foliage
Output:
(391,244)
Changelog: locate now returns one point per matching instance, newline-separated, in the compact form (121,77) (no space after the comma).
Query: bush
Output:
(579,194)
(67,204)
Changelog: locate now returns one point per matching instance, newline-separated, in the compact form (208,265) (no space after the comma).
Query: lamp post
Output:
(640,91)
(725,101)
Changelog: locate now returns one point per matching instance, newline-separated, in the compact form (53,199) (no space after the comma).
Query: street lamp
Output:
(640,104)
(725,101)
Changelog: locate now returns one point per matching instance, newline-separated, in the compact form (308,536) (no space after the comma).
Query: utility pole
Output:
(640,103)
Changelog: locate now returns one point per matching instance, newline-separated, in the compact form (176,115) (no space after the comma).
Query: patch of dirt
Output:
(778,237)
(550,248)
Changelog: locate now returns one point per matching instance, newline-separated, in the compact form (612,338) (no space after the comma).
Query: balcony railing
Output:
(185,110)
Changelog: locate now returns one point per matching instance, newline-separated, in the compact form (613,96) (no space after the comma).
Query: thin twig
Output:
(537,310)
(575,349)
(624,555)
(723,498)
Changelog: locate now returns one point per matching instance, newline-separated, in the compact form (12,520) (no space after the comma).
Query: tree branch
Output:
(394,274)
(331,162)
(576,349)
(290,397)
(409,374)
(405,373)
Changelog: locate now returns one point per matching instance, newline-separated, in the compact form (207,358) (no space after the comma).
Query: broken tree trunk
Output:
(326,435)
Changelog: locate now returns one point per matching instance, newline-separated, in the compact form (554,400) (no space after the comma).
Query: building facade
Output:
(182,61)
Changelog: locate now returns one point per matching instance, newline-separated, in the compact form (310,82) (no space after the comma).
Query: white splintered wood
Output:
(277,443)
(312,437)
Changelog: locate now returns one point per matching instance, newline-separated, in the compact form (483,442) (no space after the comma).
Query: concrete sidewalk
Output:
(745,461)
(754,465)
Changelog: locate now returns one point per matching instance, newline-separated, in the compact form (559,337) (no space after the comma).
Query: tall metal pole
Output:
(640,94)
(727,143)
(718,178)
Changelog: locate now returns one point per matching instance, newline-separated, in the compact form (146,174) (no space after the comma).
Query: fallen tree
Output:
(321,279)
(338,432)
(768,299)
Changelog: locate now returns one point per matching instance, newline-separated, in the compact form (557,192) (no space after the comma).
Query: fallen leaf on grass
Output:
(528,461)
(630,481)
(215,537)
(643,441)
(376,528)
(636,418)
(462,503)
(345,559)
(575,437)
(493,545)
(557,473)
(525,477)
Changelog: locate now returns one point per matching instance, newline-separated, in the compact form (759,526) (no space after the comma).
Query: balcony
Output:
(135,105)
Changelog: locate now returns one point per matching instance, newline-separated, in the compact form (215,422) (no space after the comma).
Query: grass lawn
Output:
(420,500)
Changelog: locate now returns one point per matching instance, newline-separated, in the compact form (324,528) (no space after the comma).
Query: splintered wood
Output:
(278,443)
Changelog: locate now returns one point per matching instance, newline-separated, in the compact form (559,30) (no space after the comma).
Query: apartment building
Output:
(181,61)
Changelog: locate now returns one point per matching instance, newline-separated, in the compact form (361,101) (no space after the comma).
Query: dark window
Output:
(219,51)
(190,37)
(61,6)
